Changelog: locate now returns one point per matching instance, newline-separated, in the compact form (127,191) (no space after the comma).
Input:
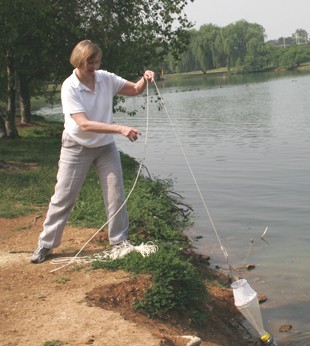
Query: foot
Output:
(40,254)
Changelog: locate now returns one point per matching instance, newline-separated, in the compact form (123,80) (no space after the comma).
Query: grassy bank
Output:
(28,176)
(224,71)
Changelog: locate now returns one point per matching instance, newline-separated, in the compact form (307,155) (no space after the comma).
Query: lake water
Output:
(247,142)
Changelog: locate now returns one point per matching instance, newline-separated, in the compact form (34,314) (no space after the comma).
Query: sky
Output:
(278,17)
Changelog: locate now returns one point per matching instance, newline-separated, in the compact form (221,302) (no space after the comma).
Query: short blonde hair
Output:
(83,52)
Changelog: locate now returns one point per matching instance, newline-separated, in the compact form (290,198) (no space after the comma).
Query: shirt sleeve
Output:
(120,82)
(114,81)
(71,102)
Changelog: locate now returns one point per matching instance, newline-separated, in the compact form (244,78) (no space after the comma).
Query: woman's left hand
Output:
(149,76)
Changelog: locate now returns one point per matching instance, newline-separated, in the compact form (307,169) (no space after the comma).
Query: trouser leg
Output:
(108,167)
(74,164)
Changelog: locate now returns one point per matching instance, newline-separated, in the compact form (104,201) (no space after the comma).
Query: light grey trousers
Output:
(74,163)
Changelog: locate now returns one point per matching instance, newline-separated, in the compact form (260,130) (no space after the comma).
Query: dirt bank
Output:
(79,306)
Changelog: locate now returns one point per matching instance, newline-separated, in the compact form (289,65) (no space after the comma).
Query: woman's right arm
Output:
(98,127)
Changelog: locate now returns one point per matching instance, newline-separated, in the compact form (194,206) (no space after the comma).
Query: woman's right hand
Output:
(130,132)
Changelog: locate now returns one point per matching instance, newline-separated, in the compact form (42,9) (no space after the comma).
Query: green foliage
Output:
(40,35)
(54,343)
(212,47)
(144,30)
(25,190)
(11,209)
(241,45)
(21,190)
(154,209)
(154,212)
(177,286)
(61,280)
(294,56)
(260,57)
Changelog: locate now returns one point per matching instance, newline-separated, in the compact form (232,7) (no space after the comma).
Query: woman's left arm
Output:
(132,89)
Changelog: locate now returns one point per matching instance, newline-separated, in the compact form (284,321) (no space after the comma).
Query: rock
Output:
(285,328)
(182,340)
(261,298)
(250,267)
(90,340)
(204,257)
(198,237)
(191,340)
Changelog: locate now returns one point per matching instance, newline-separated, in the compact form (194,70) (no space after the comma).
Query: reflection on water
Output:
(247,140)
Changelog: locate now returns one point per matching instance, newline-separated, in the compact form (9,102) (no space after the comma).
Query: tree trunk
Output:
(228,63)
(2,127)
(25,105)
(11,102)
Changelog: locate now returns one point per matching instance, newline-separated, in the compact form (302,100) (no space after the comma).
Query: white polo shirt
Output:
(98,105)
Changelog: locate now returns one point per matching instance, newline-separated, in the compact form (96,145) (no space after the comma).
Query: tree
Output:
(257,54)
(35,47)
(228,39)
(238,37)
(294,56)
(40,35)
(234,45)
(7,72)
(300,36)
(260,56)
(205,48)
(34,41)
(46,33)
(188,59)
(143,31)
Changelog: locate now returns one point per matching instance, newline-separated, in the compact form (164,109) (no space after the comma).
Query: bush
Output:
(177,286)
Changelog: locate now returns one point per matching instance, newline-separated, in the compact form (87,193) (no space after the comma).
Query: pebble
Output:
(285,328)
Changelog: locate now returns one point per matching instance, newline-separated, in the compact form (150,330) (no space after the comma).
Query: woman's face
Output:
(91,66)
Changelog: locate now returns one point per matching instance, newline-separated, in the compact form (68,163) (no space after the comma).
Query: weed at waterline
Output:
(61,280)
(54,343)
(177,286)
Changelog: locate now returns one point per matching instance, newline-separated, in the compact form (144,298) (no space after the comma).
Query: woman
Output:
(87,101)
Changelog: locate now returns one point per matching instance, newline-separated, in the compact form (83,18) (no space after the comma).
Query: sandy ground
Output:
(80,306)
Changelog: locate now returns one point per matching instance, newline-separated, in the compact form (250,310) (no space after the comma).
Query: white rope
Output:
(117,251)
(120,251)
(194,178)
(66,261)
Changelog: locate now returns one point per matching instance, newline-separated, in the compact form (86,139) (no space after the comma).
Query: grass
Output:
(304,67)
(54,343)
(61,280)
(25,190)
(156,214)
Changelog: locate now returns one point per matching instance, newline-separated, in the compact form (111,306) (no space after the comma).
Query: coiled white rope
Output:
(116,252)
(121,250)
